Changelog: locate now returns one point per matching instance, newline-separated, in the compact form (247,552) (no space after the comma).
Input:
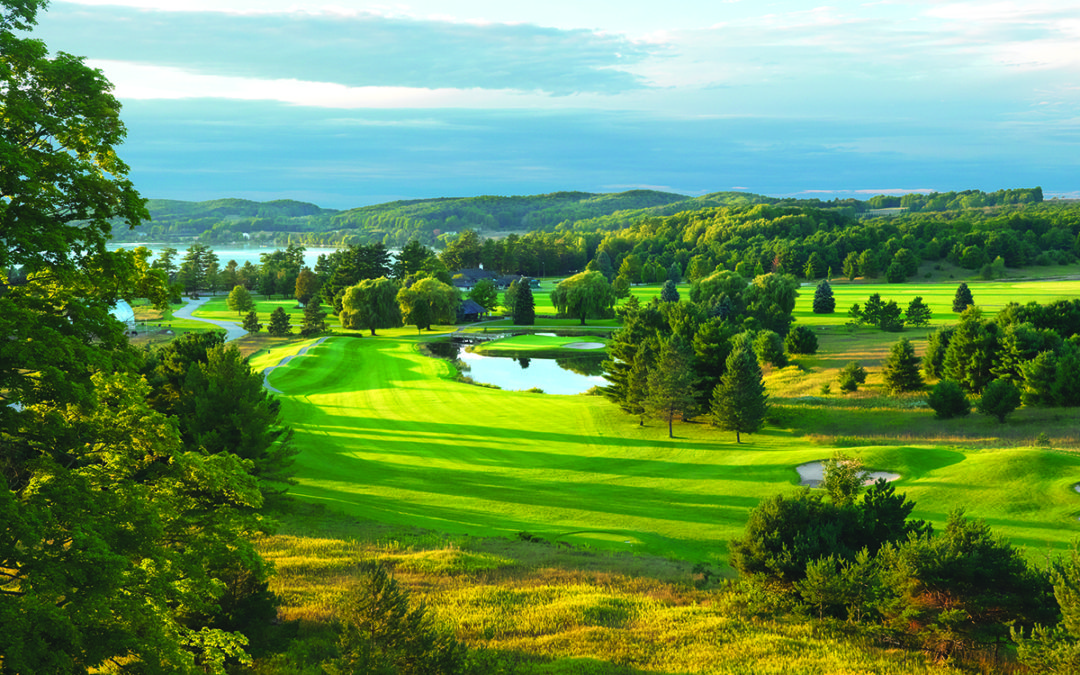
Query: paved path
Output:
(233,330)
(284,361)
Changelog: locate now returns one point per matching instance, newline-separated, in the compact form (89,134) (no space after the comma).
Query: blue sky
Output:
(351,103)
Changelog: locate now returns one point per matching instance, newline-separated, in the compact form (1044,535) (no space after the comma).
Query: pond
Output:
(567,375)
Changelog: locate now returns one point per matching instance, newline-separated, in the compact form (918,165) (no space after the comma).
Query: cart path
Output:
(233,330)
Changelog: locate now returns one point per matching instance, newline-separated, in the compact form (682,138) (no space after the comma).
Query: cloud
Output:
(352,50)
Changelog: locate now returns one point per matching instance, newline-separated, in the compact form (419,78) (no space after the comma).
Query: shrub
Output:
(801,340)
(851,376)
(1000,398)
(948,400)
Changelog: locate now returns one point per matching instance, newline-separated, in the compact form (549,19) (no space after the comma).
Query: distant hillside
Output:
(437,221)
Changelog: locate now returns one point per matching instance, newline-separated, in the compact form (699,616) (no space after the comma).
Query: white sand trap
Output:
(585,345)
(813,473)
(1077,487)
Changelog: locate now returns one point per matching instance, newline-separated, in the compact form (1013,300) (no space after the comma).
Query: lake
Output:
(240,254)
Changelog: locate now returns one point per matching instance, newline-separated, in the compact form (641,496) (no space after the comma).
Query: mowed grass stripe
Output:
(385,433)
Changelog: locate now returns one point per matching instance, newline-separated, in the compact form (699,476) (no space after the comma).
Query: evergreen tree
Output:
(948,400)
(824,302)
(279,323)
(937,344)
(671,383)
(801,340)
(674,273)
(524,306)
(999,398)
(962,300)
(902,368)
(918,313)
(668,293)
(851,376)
(240,300)
(251,323)
(739,403)
(969,357)
(314,319)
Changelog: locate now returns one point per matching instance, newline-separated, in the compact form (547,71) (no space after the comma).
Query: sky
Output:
(350,103)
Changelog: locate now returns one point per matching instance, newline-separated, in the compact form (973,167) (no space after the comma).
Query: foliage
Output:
(428,301)
(843,478)
(937,344)
(279,323)
(739,402)
(240,300)
(382,632)
(948,400)
(769,348)
(251,323)
(584,296)
(918,314)
(824,302)
(371,304)
(770,299)
(668,293)
(901,371)
(851,376)
(524,310)
(969,357)
(485,294)
(962,300)
(670,384)
(999,398)
(314,319)
(801,340)
(307,286)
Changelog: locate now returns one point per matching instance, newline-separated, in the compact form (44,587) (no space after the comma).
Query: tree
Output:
(371,304)
(948,400)
(668,293)
(524,311)
(918,313)
(999,398)
(671,383)
(104,538)
(969,356)
(850,265)
(621,286)
(842,478)
(485,294)
(251,323)
(314,319)
(851,376)
(868,264)
(383,633)
(769,348)
(674,273)
(902,368)
(240,300)
(584,296)
(428,301)
(279,323)
(770,299)
(815,267)
(824,302)
(801,340)
(411,259)
(962,300)
(739,402)
(307,286)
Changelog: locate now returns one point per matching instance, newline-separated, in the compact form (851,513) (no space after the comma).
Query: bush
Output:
(1000,398)
(801,340)
(948,400)
(851,376)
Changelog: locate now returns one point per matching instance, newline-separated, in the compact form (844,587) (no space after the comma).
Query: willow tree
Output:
(584,296)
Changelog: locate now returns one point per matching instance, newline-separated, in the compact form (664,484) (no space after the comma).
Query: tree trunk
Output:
(669,419)
(737,438)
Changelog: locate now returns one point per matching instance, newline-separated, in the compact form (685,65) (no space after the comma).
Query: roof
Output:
(470,306)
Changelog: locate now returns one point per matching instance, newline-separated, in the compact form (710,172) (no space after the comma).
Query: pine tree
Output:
(671,383)
(251,323)
(962,300)
(524,305)
(824,302)
(918,313)
(279,323)
(902,368)
(314,319)
(1000,398)
(668,293)
(739,402)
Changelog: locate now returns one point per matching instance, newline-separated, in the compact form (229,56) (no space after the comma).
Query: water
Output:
(565,376)
(240,254)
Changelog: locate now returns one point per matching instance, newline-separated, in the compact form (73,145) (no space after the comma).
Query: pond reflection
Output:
(563,375)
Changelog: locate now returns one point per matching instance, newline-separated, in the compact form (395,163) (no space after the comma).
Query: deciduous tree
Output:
(371,304)
(584,296)
(240,300)
(428,301)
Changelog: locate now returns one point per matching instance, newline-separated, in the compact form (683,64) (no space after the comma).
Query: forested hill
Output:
(438,221)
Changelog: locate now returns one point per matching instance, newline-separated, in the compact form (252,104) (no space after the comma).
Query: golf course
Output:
(388,434)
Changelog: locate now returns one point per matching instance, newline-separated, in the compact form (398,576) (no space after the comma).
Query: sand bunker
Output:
(813,473)
(585,345)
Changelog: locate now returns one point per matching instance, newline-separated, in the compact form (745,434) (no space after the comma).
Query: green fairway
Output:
(386,434)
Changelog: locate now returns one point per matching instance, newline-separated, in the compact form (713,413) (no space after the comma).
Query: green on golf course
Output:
(388,434)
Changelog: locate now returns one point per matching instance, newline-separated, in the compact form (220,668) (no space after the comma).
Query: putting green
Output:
(385,433)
